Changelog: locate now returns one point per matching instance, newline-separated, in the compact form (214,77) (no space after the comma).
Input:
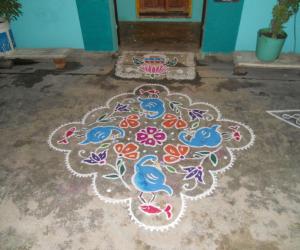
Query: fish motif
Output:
(68,134)
(154,106)
(203,137)
(99,134)
(152,210)
(235,134)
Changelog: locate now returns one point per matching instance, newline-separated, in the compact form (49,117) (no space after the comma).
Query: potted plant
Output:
(9,10)
(271,40)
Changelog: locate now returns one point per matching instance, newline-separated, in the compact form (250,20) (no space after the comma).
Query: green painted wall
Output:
(221,26)
(97,20)
(48,24)
(127,13)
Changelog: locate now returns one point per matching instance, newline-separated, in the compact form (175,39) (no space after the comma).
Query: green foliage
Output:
(10,9)
(282,12)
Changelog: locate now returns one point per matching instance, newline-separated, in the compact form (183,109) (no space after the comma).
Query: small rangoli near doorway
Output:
(153,150)
(156,65)
(291,117)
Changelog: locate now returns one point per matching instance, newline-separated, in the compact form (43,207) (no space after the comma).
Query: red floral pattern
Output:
(170,120)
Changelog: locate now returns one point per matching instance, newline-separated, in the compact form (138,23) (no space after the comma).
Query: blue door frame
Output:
(98,25)
(221,26)
(221,23)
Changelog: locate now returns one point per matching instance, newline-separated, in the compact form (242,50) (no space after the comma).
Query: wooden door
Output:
(164,7)
(177,5)
(152,6)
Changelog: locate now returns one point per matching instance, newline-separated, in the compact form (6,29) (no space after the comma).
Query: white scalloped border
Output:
(184,197)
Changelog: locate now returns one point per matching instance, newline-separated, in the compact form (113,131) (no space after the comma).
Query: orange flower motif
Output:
(130,121)
(175,154)
(128,151)
(171,120)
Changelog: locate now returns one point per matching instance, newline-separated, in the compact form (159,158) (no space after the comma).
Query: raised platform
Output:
(243,60)
(57,55)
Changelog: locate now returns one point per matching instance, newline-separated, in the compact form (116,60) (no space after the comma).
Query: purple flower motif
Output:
(194,172)
(151,136)
(96,159)
(196,114)
(122,107)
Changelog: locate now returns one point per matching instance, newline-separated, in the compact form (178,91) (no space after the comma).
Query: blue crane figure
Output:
(149,179)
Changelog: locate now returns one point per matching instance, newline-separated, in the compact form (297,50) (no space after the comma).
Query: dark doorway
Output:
(154,36)
(179,30)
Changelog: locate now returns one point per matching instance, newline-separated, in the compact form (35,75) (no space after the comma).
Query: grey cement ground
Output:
(256,205)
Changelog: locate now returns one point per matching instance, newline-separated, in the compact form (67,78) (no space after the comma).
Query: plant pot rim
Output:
(3,20)
(262,30)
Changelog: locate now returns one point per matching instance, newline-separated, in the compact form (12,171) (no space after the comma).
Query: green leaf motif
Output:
(174,106)
(171,105)
(104,145)
(121,167)
(195,125)
(201,154)
(214,159)
(135,109)
(171,169)
(177,103)
(122,170)
(197,156)
(111,176)
(103,118)
(119,162)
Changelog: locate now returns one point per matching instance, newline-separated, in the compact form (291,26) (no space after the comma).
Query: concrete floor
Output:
(256,205)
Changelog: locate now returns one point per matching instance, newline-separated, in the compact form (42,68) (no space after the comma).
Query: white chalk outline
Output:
(184,197)
(274,112)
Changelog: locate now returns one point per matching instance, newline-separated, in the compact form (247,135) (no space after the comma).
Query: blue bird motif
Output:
(152,105)
(203,137)
(149,179)
(99,134)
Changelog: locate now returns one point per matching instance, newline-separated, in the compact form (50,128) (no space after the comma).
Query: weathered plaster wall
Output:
(257,14)
(127,12)
(48,24)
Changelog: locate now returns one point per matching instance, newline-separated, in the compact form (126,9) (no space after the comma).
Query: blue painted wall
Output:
(127,12)
(48,24)
(56,24)
(257,14)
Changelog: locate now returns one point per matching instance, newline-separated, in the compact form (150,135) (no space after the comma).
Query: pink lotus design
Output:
(151,136)
(154,69)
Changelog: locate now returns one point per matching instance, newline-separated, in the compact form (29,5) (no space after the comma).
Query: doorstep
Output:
(156,65)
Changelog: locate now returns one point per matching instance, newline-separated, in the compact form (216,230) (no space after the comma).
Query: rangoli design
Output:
(291,117)
(156,65)
(153,150)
